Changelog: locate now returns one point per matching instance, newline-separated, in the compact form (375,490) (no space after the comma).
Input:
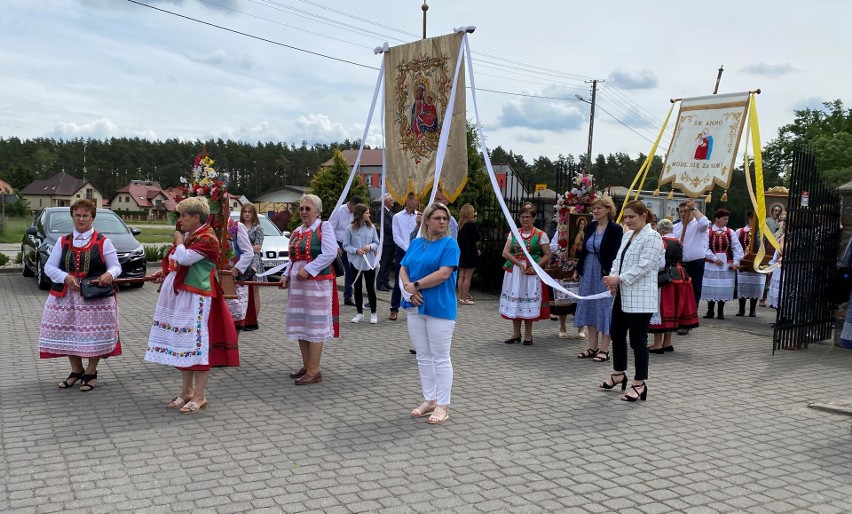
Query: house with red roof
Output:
(60,190)
(143,196)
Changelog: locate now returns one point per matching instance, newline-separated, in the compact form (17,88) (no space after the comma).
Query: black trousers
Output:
(388,254)
(349,276)
(637,324)
(370,276)
(695,269)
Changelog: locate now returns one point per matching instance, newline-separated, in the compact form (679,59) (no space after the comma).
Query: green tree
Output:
(827,132)
(328,183)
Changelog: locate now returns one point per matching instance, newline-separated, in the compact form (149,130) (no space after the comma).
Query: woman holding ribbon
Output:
(523,299)
(361,242)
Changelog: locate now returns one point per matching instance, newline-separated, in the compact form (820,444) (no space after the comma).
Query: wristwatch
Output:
(417,285)
(695,208)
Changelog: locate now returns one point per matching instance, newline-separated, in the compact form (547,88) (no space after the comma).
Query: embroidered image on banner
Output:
(418,82)
(705,141)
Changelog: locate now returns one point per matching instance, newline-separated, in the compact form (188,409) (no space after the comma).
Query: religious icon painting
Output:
(418,86)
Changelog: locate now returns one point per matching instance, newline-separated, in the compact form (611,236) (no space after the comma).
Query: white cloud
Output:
(540,114)
(529,137)
(100,129)
(638,79)
(767,69)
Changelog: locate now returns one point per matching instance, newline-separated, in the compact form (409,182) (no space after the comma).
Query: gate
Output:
(493,227)
(811,244)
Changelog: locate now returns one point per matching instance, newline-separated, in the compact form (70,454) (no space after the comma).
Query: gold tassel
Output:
(724,198)
(657,192)
(671,195)
(709,198)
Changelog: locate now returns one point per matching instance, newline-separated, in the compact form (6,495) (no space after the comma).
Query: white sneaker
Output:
(374,318)
(358,318)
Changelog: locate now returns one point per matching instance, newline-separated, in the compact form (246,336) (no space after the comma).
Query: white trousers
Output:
(432,338)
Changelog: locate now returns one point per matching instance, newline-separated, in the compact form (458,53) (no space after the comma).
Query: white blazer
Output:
(638,272)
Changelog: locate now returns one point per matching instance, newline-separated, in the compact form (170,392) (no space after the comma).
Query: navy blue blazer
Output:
(610,244)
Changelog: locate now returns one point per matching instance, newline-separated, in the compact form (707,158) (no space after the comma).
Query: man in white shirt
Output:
(403,223)
(340,220)
(692,233)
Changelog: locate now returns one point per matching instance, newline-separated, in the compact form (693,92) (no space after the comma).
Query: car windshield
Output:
(105,223)
(269,228)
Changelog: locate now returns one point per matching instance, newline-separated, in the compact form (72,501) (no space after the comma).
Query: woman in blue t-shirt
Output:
(428,273)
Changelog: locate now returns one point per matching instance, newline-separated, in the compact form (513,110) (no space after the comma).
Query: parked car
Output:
(54,222)
(276,245)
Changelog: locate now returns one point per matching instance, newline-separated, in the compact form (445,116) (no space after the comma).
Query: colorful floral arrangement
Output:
(576,201)
(203,181)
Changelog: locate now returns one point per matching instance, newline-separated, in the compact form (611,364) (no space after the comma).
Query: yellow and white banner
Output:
(425,123)
(704,146)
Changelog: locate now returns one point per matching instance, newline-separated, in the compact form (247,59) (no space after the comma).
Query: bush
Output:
(281,219)
(3,259)
(156,254)
(19,258)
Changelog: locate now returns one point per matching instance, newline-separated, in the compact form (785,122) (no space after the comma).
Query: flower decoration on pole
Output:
(204,181)
(569,205)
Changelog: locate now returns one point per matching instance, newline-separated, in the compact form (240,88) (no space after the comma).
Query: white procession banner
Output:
(704,146)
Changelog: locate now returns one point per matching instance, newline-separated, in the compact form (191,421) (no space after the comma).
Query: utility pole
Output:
(718,79)
(591,121)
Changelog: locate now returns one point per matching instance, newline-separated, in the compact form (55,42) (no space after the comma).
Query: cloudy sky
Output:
(103,68)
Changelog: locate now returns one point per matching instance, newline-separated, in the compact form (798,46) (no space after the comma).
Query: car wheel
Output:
(44,282)
(25,270)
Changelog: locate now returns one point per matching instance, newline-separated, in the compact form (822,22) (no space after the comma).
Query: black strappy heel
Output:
(76,376)
(513,340)
(94,376)
(643,396)
(607,385)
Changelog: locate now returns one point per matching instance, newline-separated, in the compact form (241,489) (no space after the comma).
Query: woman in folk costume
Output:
(774,296)
(238,266)
(249,217)
(750,285)
(523,298)
(633,280)
(192,329)
(313,310)
(722,257)
(72,326)
(677,301)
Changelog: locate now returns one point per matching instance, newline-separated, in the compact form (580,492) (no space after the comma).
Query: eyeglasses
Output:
(305,209)
(475,215)
(439,218)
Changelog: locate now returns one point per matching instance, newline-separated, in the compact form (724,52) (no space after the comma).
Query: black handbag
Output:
(337,265)
(664,276)
(92,291)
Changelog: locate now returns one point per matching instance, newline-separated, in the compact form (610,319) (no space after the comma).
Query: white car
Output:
(276,246)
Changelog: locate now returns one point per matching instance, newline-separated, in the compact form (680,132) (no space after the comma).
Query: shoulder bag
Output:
(92,291)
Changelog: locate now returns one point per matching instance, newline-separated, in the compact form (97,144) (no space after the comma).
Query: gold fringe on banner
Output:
(724,198)
(657,192)
(709,198)
(670,195)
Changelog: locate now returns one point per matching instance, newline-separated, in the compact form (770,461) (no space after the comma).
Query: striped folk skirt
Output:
(311,314)
(72,326)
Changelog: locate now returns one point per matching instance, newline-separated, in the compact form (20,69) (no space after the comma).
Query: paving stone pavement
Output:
(726,427)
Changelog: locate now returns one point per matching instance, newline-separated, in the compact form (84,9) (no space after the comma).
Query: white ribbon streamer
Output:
(547,279)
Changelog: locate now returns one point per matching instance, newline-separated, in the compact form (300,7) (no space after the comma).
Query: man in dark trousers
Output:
(388,246)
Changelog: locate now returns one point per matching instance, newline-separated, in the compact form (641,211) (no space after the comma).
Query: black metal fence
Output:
(809,257)
(493,228)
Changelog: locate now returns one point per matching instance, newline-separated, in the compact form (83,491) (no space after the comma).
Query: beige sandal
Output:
(439,415)
(193,407)
(177,402)
(424,409)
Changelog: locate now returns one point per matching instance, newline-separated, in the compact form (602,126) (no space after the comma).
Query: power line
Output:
(252,36)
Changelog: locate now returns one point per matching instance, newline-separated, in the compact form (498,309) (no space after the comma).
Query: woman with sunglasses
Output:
(312,305)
